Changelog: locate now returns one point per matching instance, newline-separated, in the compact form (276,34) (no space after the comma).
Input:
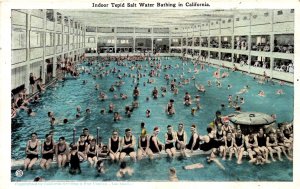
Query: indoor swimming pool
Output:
(64,96)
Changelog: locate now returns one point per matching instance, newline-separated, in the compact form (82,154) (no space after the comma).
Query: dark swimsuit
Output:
(75,164)
(261,141)
(92,149)
(31,80)
(251,142)
(114,145)
(206,146)
(229,142)
(32,156)
(170,145)
(143,143)
(189,146)
(81,148)
(153,147)
(180,138)
(47,148)
(129,149)
(219,137)
(61,152)
(238,141)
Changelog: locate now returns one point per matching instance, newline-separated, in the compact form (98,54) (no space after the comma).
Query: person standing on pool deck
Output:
(155,146)
(31,151)
(170,138)
(114,146)
(32,80)
(128,144)
(47,152)
(92,153)
(62,149)
(194,140)
(181,139)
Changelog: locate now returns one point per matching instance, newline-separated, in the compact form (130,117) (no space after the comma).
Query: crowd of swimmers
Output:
(221,139)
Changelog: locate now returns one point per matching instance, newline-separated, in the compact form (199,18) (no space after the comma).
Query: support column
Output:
(54,46)
(133,45)
(152,40)
(27,67)
(272,37)
(44,64)
(115,38)
(170,38)
(68,37)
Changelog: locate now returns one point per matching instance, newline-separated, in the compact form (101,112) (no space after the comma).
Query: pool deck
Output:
(19,164)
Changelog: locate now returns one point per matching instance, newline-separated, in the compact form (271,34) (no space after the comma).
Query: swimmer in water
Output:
(172,174)
(124,170)
(193,166)
(279,92)
(261,93)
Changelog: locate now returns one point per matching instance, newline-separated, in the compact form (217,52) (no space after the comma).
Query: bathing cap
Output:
(156,128)
(144,132)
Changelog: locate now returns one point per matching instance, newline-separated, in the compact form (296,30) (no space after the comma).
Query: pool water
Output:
(64,97)
(157,170)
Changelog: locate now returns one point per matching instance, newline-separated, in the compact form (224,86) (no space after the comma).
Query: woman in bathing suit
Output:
(47,152)
(31,151)
(62,149)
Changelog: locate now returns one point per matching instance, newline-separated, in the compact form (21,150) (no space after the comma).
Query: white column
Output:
(115,38)
(249,46)
(68,37)
(54,46)
(27,67)
(152,39)
(44,64)
(272,46)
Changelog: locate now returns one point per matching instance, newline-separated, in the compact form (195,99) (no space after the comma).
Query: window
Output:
(175,40)
(36,39)
(292,10)
(266,14)
(245,18)
(212,23)
(279,12)
(91,40)
(18,38)
(202,24)
(217,22)
(254,16)
(223,21)
(206,24)
(229,20)
(49,39)
(237,19)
